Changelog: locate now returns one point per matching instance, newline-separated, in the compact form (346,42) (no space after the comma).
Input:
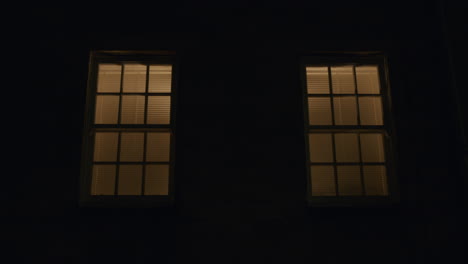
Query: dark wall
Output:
(239,131)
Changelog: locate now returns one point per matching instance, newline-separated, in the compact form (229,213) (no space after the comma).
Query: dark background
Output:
(240,171)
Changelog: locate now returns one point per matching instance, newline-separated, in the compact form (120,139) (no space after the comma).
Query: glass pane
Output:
(159,108)
(130,179)
(349,180)
(375,180)
(134,80)
(105,146)
(103,181)
(157,180)
(158,146)
(107,109)
(133,109)
(160,77)
(372,148)
(323,180)
(131,147)
(370,110)
(345,110)
(317,80)
(320,147)
(367,80)
(319,111)
(346,145)
(342,80)
(109,78)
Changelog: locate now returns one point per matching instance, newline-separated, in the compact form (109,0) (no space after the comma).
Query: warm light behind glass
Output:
(351,163)
(130,180)
(133,109)
(372,147)
(345,110)
(375,180)
(158,146)
(323,181)
(159,108)
(134,79)
(157,180)
(105,146)
(134,100)
(342,80)
(320,111)
(347,149)
(131,146)
(317,80)
(321,147)
(103,180)
(367,80)
(107,109)
(349,180)
(160,78)
(127,162)
(109,77)
(370,109)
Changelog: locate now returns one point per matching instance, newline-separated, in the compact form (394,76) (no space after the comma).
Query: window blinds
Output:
(346,132)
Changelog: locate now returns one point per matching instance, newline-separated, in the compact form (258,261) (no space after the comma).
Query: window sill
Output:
(349,201)
(127,201)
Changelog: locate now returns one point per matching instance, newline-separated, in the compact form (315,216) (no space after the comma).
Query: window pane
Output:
(134,80)
(130,179)
(131,147)
(345,110)
(103,180)
(319,111)
(317,80)
(109,78)
(157,180)
(342,80)
(133,109)
(370,110)
(159,108)
(375,180)
(322,180)
(160,77)
(320,147)
(367,79)
(107,109)
(105,146)
(349,180)
(158,146)
(372,147)
(346,147)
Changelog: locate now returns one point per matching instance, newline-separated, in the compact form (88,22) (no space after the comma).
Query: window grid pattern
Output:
(346,131)
(118,103)
(132,132)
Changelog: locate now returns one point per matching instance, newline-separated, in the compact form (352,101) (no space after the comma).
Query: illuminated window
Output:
(348,130)
(129,129)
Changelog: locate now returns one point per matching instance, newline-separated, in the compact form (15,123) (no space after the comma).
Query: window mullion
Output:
(116,191)
(356,96)
(361,172)
(120,96)
(363,186)
(335,169)
(330,87)
(145,135)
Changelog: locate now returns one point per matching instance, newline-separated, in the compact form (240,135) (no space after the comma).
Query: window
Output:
(348,131)
(128,152)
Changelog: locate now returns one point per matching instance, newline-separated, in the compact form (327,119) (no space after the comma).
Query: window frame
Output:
(337,59)
(119,56)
